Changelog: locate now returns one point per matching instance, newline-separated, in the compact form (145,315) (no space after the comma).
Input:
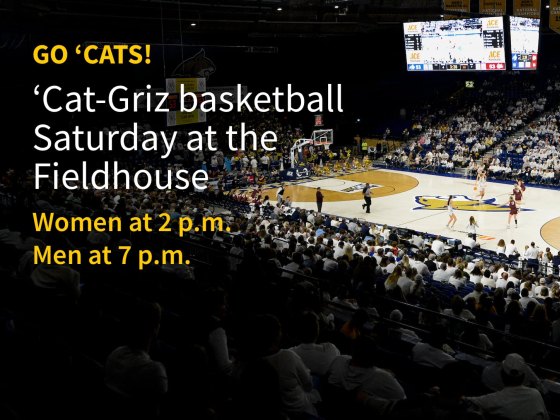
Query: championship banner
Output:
(177,117)
(527,8)
(555,15)
(492,7)
(191,85)
(456,6)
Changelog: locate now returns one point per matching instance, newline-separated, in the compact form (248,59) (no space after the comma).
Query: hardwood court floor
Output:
(419,201)
(333,188)
(550,232)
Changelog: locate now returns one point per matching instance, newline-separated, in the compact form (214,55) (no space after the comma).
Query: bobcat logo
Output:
(462,202)
(359,187)
(303,173)
(196,66)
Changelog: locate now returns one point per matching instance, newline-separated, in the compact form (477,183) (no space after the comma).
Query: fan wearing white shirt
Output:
(438,246)
(532,255)
(502,281)
(316,357)
(430,353)
(358,373)
(470,242)
(442,274)
(492,378)
(296,384)
(515,401)
(487,280)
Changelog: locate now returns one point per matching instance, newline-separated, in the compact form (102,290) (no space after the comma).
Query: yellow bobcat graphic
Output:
(197,66)
(462,202)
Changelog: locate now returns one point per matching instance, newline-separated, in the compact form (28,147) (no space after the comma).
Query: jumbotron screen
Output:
(455,45)
(524,42)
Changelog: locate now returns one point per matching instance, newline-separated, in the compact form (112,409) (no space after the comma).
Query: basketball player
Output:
(280,192)
(518,194)
(512,210)
(481,183)
(367,197)
(452,217)
(521,184)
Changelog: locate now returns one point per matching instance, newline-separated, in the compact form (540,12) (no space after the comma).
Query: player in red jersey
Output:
(518,194)
(521,184)
(512,210)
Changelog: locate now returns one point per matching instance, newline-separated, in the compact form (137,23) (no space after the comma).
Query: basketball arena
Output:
(418,201)
(280,210)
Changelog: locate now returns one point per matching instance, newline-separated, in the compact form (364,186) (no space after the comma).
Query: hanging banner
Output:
(456,6)
(492,7)
(555,16)
(181,118)
(191,85)
(527,8)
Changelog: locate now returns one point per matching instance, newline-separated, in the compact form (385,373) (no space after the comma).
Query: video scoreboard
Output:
(524,42)
(455,45)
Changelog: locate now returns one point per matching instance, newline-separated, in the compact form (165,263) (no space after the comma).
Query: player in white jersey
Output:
(480,183)
(452,217)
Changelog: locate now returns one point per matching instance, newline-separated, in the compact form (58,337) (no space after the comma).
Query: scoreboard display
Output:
(455,45)
(524,42)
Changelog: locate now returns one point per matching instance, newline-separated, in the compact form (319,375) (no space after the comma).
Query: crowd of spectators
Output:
(483,134)
(286,312)
(289,314)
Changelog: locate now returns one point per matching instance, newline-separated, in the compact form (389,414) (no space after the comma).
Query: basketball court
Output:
(419,201)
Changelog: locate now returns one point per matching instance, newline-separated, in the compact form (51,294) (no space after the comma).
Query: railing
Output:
(409,307)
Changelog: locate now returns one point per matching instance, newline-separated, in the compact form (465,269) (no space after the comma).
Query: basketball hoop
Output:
(322,137)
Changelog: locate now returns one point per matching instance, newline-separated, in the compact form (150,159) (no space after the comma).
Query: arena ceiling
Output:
(252,17)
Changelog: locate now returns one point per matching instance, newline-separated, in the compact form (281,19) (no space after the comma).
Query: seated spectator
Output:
(445,402)
(317,357)
(478,289)
(418,291)
(213,334)
(470,242)
(438,247)
(358,372)
(430,352)
(525,299)
(397,316)
(353,328)
(406,282)
(458,309)
(492,377)
(475,275)
(474,338)
(515,401)
(487,280)
(129,370)
(458,280)
(442,274)
(296,386)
